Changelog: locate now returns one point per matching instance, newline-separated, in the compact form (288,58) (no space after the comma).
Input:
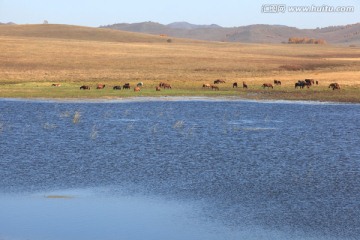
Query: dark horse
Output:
(85,87)
(268,85)
(126,86)
(235,85)
(245,85)
(277,82)
(300,84)
(117,88)
(334,86)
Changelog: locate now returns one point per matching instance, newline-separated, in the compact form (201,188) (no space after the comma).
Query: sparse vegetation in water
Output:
(76,117)
(65,114)
(49,126)
(94,132)
(155,128)
(179,124)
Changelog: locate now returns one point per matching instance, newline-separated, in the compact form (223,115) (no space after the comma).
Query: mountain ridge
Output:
(256,33)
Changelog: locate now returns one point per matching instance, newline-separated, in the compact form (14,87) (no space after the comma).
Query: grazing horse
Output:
(216,88)
(235,85)
(245,85)
(310,81)
(317,82)
(217,81)
(126,86)
(56,85)
(334,86)
(136,89)
(117,88)
(140,84)
(301,84)
(166,85)
(158,88)
(277,82)
(85,87)
(161,84)
(267,85)
(100,86)
(206,85)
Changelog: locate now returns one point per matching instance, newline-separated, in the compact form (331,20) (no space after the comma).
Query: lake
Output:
(172,168)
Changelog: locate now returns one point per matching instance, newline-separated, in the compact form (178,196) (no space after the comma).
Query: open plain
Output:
(33,57)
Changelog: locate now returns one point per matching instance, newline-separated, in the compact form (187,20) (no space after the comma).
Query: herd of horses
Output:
(299,84)
(137,88)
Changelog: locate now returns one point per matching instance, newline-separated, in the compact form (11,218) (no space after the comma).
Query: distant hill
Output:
(259,33)
(186,25)
(58,31)
(9,23)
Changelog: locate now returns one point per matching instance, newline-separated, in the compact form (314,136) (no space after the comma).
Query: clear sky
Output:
(227,13)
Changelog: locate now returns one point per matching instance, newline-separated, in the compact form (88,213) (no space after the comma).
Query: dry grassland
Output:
(35,56)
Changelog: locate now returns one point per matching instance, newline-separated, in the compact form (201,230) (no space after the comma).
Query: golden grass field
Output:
(32,57)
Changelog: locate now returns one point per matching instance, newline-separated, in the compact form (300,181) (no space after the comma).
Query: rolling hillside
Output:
(55,31)
(260,33)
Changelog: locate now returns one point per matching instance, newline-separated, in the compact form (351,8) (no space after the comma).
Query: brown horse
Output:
(136,89)
(235,85)
(217,81)
(245,85)
(334,86)
(100,86)
(166,85)
(310,81)
(267,85)
(206,85)
(158,88)
(56,85)
(84,87)
(216,88)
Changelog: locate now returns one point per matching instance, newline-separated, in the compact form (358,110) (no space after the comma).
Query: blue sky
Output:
(227,13)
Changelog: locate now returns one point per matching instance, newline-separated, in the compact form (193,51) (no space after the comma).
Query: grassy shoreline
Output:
(71,91)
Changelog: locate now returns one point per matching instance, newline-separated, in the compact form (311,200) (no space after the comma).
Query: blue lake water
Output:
(179,169)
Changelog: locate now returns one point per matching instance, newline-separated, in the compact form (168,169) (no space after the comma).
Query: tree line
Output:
(305,40)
